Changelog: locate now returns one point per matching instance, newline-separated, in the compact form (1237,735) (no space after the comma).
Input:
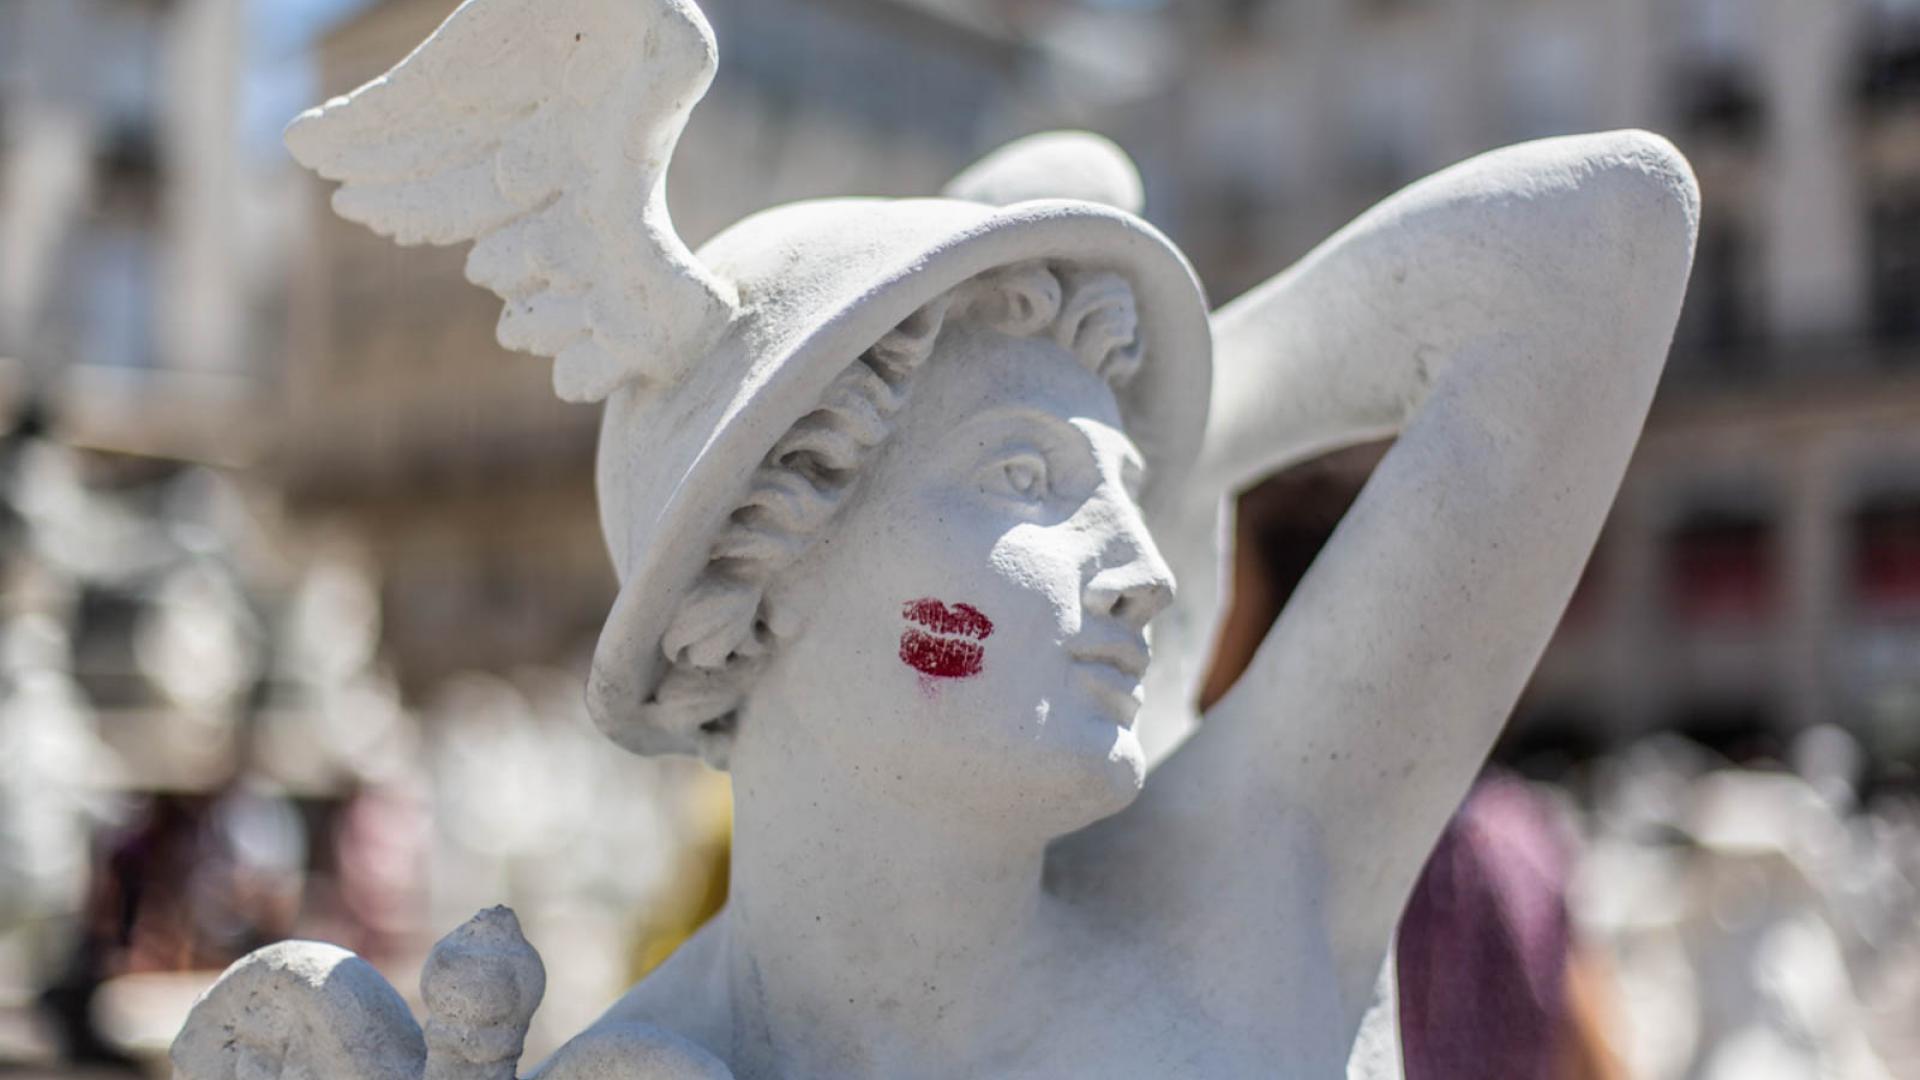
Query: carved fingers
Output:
(481,985)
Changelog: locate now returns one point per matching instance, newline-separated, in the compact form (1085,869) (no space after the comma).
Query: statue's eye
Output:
(1024,477)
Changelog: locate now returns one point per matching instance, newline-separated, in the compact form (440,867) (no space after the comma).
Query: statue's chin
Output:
(1100,780)
(1074,772)
(1127,769)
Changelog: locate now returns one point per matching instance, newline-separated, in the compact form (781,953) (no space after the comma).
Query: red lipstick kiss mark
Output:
(949,646)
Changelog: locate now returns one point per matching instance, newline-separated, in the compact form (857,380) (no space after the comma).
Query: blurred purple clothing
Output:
(1484,943)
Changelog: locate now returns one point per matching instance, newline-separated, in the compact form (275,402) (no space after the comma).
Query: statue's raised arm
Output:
(1508,318)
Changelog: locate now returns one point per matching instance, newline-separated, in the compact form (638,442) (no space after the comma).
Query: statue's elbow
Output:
(1639,202)
(1577,231)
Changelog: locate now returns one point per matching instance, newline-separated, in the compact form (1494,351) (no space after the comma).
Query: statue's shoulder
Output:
(686,995)
(632,1050)
(662,1028)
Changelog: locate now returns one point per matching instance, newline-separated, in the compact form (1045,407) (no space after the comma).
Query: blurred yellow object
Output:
(698,886)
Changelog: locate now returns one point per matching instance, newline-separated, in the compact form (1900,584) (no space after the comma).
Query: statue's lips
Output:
(947,645)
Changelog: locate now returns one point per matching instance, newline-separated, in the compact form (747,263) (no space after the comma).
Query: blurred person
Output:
(379,847)
(201,879)
(1491,979)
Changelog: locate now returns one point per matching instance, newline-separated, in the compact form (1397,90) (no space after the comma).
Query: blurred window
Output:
(1546,75)
(1721,569)
(127,41)
(103,658)
(1886,555)
(1714,31)
(1390,125)
(1719,312)
(1239,251)
(127,165)
(12,23)
(1894,230)
(1249,14)
(1720,99)
(904,73)
(1547,739)
(1889,75)
(1740,730)
(116,270)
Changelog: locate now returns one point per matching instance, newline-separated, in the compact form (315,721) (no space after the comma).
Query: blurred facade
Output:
(131,273)
(1762,571)
(315,496)
(1758,576)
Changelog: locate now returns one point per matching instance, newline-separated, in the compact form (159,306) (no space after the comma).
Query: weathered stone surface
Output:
(480,985)
(299,1010)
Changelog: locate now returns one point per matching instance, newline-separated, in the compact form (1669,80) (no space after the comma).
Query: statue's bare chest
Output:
(1112,1009)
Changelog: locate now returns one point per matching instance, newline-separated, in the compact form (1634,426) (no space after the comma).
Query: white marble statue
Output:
(897,490)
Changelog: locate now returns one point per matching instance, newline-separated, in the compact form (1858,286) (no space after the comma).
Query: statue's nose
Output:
(1136,586)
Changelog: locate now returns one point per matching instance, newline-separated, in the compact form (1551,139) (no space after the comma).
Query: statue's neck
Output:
(871,940)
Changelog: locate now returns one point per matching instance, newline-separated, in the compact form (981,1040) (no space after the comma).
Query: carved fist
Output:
(299,1010)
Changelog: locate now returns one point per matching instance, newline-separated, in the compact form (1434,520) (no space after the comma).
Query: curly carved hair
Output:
(731,620)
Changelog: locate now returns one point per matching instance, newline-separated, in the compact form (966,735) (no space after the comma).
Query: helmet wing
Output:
(541,130)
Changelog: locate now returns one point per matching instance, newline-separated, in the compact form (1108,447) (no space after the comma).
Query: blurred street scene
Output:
(301,570)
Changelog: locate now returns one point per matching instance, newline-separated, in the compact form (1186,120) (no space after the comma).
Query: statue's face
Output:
(974,624)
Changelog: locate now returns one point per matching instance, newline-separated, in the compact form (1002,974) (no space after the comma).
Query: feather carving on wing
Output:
(542,130)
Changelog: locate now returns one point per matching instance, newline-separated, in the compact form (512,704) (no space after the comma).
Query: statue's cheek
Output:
(944,641)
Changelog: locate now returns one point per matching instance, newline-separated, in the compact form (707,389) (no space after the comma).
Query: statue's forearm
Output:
(1510,317)
(1535,256)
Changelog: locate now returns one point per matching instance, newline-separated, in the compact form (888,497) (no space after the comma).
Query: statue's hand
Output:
(299,1010)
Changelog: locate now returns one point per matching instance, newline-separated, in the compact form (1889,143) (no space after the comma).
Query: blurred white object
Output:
(198,642)
(56,778)
(1753,948)
(1808,1026)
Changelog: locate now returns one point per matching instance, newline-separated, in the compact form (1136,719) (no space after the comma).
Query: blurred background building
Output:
(1757,577)
(282,517)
